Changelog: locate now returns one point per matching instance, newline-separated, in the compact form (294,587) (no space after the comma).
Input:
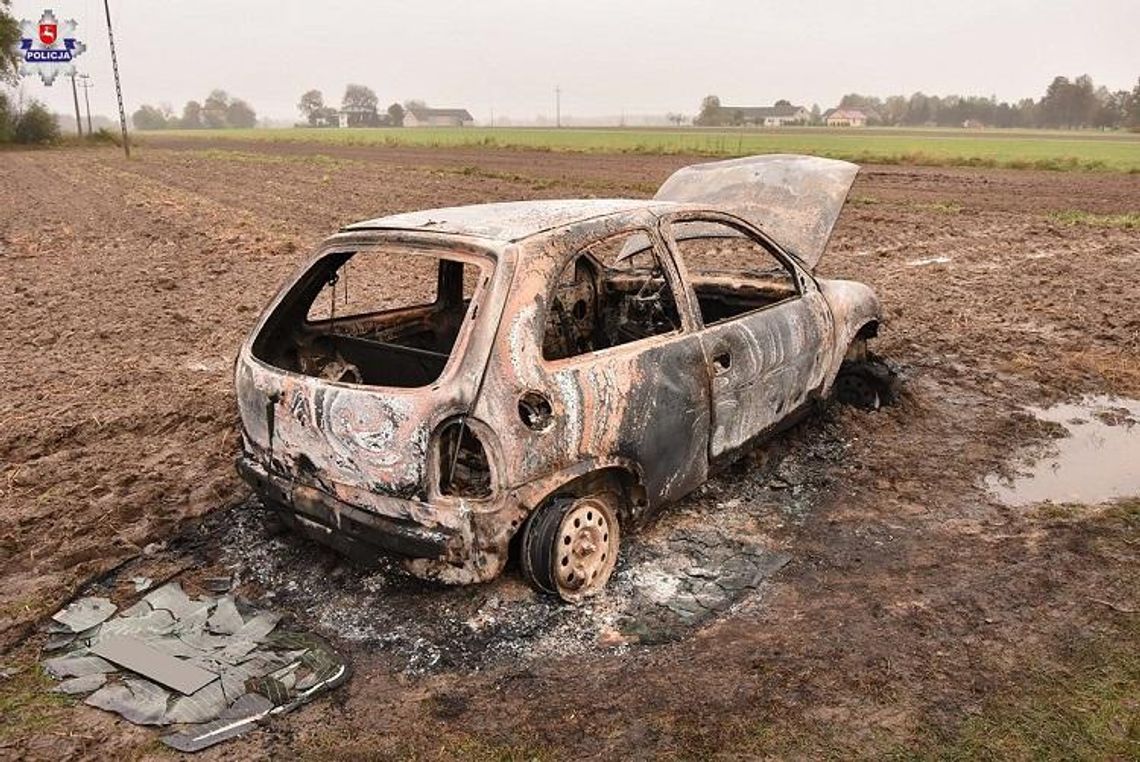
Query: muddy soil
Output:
(865,583)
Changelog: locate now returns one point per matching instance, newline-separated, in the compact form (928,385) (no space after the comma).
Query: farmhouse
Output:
(846,117)
(421,116)
(763,116)
(355,115)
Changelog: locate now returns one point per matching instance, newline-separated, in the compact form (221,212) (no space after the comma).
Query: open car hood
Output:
(794,199)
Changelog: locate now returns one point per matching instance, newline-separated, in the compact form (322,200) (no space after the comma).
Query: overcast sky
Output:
(608,56)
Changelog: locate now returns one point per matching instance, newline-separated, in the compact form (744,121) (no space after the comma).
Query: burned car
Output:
(454,385)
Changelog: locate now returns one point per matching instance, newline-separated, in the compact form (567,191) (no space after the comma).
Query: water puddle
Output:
(1098,460)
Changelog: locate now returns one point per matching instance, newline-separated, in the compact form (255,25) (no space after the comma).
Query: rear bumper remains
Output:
(345,527)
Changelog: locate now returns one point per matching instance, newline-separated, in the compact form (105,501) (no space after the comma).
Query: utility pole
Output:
(75,97)
(557,106)
(86,85)
(118,86)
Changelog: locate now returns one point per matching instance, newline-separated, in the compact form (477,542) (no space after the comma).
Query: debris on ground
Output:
(84,614)
(214,667)
(669,583)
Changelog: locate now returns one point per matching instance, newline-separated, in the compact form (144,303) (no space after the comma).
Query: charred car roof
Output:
(508,221)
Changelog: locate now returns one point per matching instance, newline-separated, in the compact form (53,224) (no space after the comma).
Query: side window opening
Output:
(379,316)
(731,272)
(614,291)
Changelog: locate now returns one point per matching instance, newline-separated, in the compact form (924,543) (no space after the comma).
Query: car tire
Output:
(866,384)
(570,544)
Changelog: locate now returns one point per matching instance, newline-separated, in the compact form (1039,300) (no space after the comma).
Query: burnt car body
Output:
(553,370)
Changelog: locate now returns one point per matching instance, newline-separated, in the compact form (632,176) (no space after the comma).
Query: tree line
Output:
(218,111)
(1066,104)
(359,105)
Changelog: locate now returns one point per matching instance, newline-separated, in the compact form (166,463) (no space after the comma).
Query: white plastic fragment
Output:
(85,613)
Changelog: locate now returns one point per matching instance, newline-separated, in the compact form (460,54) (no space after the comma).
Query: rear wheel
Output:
(570,545)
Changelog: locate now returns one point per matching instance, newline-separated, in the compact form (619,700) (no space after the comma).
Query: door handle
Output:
(722,362)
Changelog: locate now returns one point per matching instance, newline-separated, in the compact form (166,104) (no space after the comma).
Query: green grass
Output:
(1070,217)
(1089,709)
(27,703)
(1054,150)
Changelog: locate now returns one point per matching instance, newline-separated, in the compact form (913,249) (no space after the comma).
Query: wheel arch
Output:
(857,316)
(588,477)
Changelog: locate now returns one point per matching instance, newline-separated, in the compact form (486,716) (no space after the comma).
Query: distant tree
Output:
(710,111)
(396,115)
(35,125)
(148,117)
(359,96)
(1110,108)
(1133,108)
(783,102)
(737,118)
(864,103)
(240,114)
(816,116)
(7,119)
(214,110)
(414,103)
(191,116)
(1069,104)
(327,117)
(894,110)
(1085,104)
(675,118)
(360,103)
(9,43)
(1025,113)
(312,103)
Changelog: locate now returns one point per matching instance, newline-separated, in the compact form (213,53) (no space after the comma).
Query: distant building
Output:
(358,116)
(760,116)
(846,117)
(417,116)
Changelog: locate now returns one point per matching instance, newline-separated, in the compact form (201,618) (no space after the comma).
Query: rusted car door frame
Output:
(764,364)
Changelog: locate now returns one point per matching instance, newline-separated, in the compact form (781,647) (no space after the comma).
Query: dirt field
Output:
(916,615)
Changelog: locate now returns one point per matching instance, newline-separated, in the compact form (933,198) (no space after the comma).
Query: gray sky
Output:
(608,56)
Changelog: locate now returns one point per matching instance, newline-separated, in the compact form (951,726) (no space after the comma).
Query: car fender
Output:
(855,309)
(535,492)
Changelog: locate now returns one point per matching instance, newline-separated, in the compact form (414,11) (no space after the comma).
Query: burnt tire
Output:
(569,545)
(866,384)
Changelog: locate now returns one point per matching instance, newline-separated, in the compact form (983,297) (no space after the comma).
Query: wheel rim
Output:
(585,549)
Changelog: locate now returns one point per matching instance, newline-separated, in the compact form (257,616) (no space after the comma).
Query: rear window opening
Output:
(378,317)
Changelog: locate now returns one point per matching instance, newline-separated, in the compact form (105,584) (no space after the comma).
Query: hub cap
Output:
(586,548)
